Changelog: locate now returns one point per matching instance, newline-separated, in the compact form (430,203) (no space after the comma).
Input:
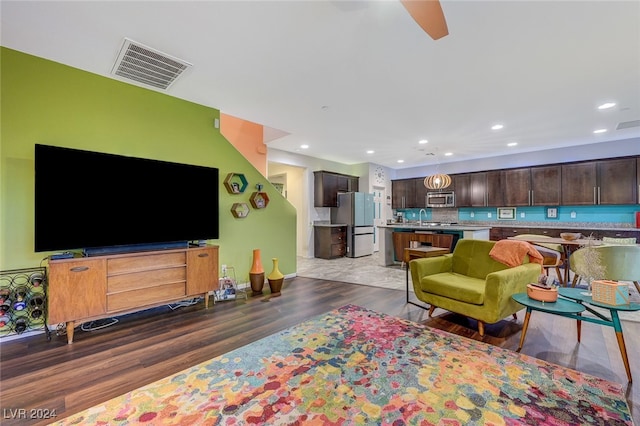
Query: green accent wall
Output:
(49,103)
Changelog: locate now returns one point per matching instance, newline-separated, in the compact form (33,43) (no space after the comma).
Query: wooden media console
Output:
(91,288)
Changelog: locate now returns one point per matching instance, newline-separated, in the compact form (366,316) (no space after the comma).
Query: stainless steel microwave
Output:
(441,199)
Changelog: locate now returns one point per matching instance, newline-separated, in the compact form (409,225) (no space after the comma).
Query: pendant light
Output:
(437,180)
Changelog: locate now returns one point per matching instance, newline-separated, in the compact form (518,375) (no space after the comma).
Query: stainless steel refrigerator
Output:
(355,209)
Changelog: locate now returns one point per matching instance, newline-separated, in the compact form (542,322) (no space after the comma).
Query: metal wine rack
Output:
(23,301)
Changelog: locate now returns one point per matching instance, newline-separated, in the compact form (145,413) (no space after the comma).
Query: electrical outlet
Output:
(489,215)
(573,215)
(522,215)
(224,270)
(472,214)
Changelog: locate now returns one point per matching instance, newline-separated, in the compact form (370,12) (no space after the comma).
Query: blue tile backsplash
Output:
(566,215)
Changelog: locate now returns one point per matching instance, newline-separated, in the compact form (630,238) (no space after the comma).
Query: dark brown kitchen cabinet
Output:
(329,242)
(532,186)
(408,193)
(600,182)
(461,186)
(401,191)
(327,185)
(486,189)
(546,185)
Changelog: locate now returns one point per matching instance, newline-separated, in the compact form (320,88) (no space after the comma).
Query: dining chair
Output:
(553,254)
(621,263)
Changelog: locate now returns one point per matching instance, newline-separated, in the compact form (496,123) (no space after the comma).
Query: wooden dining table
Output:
(568,247)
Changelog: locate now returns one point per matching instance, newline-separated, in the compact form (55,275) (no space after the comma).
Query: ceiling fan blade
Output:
(429,15)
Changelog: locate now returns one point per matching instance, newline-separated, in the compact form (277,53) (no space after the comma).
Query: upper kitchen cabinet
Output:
(600,182)
(408,193)
(461,186)
(532,186)
(327,185)
(486,189)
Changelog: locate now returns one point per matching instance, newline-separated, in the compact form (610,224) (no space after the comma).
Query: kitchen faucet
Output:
(420,216)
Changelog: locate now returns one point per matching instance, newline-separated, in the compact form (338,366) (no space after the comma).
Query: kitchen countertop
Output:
(415,226)
(329,225)
(564,225)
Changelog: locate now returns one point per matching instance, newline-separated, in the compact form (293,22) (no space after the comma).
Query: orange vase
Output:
(256,274)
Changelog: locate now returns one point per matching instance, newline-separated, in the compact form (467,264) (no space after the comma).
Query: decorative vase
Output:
(276,278)
(256,274)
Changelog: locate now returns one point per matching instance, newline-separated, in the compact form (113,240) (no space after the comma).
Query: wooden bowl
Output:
(570,236)
(541,294)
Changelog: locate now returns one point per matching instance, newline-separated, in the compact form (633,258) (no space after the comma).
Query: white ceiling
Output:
(345,77)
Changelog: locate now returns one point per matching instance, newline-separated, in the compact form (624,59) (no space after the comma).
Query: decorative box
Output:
(610,292)
(541,294)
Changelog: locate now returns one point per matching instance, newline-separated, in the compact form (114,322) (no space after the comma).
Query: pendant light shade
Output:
(437,181)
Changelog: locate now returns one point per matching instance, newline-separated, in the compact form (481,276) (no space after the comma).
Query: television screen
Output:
(88,199)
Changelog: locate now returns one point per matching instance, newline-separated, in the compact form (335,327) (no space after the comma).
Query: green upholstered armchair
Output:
(469,282)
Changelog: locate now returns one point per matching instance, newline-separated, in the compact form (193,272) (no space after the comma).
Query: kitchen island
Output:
(388,250)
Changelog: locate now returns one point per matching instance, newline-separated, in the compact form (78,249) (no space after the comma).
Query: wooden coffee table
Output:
(418,253)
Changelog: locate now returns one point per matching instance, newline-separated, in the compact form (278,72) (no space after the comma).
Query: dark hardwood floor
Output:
(144,347)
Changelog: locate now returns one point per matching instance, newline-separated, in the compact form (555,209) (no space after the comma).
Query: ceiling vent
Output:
(148,66)
(628,124)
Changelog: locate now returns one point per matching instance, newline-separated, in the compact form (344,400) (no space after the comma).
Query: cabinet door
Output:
(617,181)
(401,191)
(419,193)
(342,183)
(517,187)
(545,186)
(495,188)
(495,234)
(401,240)
(478,192)
(202,270)
(462,190)
(354,184)
(77,289)
(579,182)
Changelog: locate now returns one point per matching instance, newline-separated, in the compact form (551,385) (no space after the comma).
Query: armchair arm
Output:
(501,285)
(429,266)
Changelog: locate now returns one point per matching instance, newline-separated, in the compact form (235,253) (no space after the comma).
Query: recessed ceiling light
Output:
(448,154)
(423,141)
(600,131)
(512,144)
(400,161)
(497,127)
(305,146)
(607,105)
(370,151)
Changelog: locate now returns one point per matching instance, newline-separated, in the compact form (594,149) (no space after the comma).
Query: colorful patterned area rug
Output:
(357,366)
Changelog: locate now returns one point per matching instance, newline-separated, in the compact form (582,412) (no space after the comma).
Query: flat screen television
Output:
(87,199)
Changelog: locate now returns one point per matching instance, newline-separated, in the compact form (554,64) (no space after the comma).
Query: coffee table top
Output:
(561,306)
(424,251)
(578,294)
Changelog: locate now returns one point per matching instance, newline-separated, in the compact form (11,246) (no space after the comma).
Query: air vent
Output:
(628,124)
(148,66)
